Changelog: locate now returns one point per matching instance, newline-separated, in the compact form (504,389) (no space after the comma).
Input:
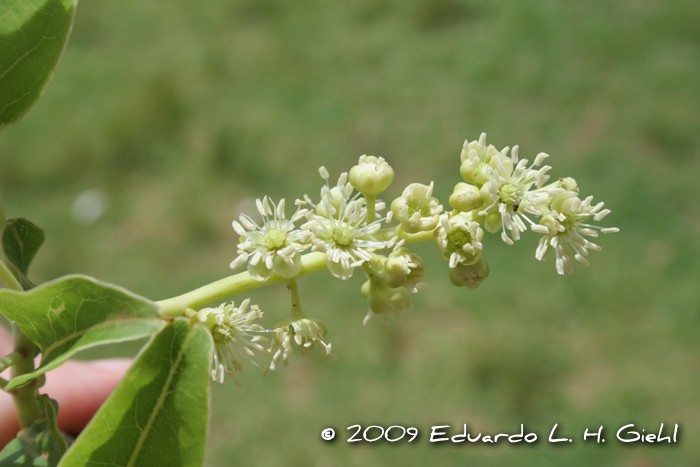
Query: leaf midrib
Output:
(159,403)
(102,325)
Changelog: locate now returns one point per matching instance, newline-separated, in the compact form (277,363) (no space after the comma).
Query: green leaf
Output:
(158,415)
(42,445)
(33,34)
(74,313)
(21,240)
(49,439)
(17,454)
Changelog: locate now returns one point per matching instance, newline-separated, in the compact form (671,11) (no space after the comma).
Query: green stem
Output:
(233,285)
(26,405)
(3,383)
(296,302)
(8,278)
(11,359)
(370,202)
(242,282)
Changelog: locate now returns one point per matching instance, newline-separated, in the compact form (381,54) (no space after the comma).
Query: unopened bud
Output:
(364,290)
(465,197)
(371,176)
(470,275)
(384,299)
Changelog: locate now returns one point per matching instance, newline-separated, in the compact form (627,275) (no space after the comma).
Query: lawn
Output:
(181,113)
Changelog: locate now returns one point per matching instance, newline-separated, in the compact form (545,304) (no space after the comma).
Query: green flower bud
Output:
(493,222)
(465,197)
(371,176)
(416,209)
(469,275)
(364,290)
(403,268)
(384,299)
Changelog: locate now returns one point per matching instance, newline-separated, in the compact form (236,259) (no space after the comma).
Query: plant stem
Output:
(11,359)
(242,282)
(370,202)
(26,405)
(8,278)
(296,301)
(233,285)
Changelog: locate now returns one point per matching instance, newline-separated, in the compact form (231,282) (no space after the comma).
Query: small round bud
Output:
(493,222)
(469,275)
(364,290)
(465,197)
(371,176)
(384,299)
(403,268)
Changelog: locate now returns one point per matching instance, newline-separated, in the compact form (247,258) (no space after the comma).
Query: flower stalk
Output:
(243,282)
(342,231)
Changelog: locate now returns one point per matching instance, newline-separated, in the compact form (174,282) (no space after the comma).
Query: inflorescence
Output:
(500,193)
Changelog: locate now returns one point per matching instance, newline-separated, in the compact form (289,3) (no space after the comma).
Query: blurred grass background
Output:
(181,113)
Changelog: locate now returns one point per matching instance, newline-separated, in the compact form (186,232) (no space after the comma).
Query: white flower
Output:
(306,333)
(371,176)
(235,336)
(416,209)
(341,231)
(282,347)
(508,189)
(564,229)
(459,239)
(273,247)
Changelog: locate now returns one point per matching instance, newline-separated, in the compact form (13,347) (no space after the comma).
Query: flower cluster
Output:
(341,229)
(501,194)
(504,191)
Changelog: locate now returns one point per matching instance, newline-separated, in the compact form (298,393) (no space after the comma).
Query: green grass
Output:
(182,112)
